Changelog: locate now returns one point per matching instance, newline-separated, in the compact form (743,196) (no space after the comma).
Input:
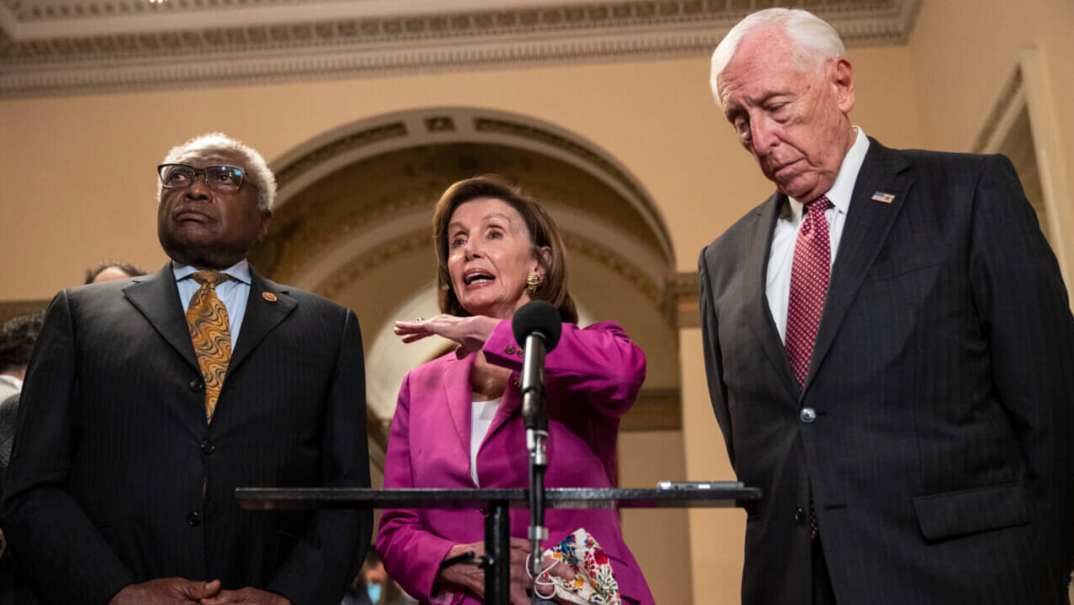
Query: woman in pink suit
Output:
(458,422)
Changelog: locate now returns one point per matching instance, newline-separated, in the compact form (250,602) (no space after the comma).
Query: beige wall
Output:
(657,537)
(960,78)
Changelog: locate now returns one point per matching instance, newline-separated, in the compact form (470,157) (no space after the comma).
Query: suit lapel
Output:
(459,395)
(157,298)
(456,382)
(759,313)
(267,306)
(511,403)
(867,225)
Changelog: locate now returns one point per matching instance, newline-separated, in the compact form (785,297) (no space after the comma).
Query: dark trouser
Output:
(823,594)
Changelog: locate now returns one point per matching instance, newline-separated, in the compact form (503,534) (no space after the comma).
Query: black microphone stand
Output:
(536,422)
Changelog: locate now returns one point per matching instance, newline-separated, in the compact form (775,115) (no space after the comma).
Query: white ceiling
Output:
(69,46)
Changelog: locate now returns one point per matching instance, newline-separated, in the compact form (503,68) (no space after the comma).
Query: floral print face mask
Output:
(593,583)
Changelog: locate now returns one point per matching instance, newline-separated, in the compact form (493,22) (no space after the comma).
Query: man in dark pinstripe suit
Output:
(889,349)
(121,483)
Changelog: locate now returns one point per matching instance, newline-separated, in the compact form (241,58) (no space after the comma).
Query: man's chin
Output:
(797,190)
(196,255)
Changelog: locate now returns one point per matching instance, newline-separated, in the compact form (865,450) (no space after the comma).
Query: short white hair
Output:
(814,39)
(259,174)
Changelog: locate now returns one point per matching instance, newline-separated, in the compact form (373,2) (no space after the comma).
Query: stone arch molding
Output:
(351,143)
(352,222)
(322,256)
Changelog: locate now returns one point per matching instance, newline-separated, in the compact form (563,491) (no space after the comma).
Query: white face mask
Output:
(593,583)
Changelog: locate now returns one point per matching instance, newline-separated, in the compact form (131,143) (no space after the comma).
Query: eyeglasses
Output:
(222,178)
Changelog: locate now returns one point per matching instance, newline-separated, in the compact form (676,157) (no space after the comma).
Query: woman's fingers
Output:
(558,568)
(407,327)
(411,331)
(447,326)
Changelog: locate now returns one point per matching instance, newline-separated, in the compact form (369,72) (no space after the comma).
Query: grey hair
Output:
(814,39)
(259,173)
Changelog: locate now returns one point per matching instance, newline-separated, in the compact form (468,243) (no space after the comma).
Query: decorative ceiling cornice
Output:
(70,47)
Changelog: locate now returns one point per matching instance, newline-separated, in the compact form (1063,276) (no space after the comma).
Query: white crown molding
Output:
(266,42)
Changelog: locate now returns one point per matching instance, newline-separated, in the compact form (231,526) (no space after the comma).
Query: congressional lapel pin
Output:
(269,296)
(883,198)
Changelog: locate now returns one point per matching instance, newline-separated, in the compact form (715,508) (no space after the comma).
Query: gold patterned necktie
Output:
(208,322)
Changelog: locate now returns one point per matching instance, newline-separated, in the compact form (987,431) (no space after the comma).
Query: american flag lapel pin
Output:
(883,197)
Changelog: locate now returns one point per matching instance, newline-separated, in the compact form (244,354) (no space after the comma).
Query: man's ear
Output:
(266,222)
(842,80)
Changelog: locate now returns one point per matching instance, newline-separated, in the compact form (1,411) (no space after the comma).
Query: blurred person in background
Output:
(107,272)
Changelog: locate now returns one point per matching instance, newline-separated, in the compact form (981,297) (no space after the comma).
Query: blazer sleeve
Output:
(1024,311)
(326,559)
(55,542)
(411,554)
(599,361)
(710,339)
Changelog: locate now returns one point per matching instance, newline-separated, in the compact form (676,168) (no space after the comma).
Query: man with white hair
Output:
(148,401)
(889,349)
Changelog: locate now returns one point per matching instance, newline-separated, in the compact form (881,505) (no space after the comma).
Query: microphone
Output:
(537,316)
(537,328)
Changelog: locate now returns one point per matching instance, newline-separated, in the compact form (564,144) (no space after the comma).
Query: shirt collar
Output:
(11,380)
(240,271)
(843,187)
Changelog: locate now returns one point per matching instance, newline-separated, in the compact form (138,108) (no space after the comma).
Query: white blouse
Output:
(481,415)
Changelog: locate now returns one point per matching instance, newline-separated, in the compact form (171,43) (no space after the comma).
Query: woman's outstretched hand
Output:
(470,333)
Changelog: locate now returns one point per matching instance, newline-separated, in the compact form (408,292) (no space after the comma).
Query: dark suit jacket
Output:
(940,458)
(106,482)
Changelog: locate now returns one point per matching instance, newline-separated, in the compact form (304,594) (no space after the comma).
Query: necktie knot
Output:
(819,204)
(211,278)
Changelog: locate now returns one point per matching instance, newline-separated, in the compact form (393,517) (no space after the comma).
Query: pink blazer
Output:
(592,378)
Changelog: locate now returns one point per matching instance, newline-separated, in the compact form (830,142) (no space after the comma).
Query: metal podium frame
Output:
(495,504)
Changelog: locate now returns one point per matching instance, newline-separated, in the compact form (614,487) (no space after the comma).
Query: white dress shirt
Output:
(9,385)
(781,254)
(233,292)
(481,415)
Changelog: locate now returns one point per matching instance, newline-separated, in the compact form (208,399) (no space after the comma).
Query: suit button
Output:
(807,415)
(193,519)
(196,385)
(799,514)
(207,447)
(510,350)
